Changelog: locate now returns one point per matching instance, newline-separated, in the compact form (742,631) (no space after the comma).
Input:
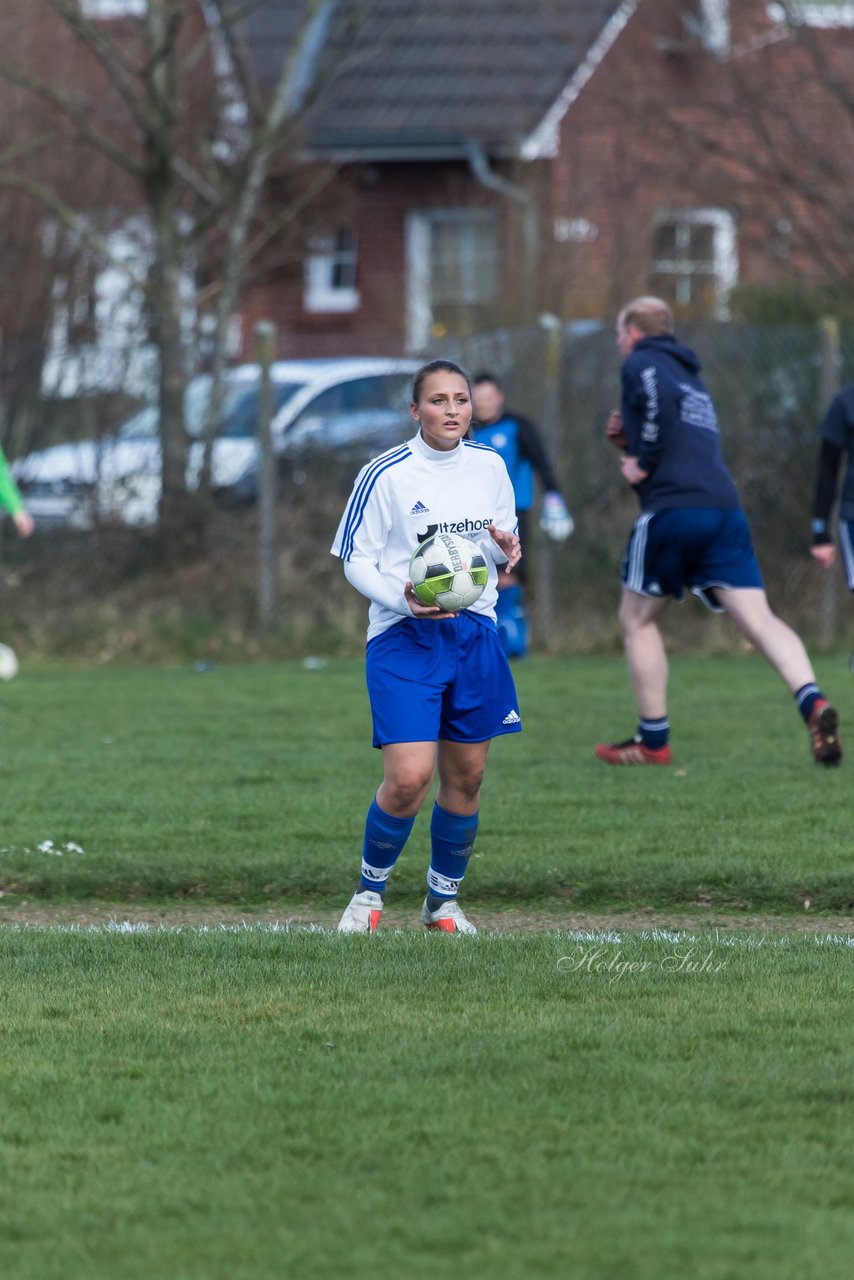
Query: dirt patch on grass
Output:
(545,919)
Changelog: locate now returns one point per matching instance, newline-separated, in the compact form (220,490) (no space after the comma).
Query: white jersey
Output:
(411,492)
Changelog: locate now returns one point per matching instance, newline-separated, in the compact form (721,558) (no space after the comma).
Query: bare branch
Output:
(77,113)
(120,71)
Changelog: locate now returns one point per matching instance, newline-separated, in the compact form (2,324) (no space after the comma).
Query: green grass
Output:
(249,784)
(243,1104)
(256,1104)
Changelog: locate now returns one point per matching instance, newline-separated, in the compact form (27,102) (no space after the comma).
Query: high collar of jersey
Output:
(438,457)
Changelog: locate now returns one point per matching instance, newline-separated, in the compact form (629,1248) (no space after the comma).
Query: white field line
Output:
(608,937)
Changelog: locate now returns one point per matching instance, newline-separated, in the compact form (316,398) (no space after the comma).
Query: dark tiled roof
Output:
(410,73)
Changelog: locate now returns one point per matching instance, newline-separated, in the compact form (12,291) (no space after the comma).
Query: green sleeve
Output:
(10,496)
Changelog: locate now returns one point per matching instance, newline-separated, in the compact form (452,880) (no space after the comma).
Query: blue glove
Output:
(556,522)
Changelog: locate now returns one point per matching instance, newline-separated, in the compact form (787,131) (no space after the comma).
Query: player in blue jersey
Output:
(691,533)
(519,443)
(837,443)
(439,684)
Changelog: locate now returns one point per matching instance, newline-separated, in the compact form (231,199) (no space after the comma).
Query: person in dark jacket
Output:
(837,442)
(691,533)
(521,448)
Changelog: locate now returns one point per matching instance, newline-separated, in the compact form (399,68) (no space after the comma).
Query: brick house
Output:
(497,159)
(501,158)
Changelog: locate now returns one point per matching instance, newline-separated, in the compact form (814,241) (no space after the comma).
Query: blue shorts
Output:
(697,548)
(448,679)
(846,546)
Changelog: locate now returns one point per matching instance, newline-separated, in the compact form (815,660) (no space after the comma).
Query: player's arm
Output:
(834,432)
(364,575)
(555,521)
(10,498)
(506,547)
(531,447)
(641,421)
(361,536)
(829,460)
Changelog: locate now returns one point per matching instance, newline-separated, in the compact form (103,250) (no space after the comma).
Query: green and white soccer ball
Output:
(449,571)
(8,662)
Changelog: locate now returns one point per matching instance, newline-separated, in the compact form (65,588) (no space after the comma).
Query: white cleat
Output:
(450,918)
(362,914)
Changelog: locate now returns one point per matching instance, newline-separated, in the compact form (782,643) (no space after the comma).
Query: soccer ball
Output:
(8,662)
(448,571)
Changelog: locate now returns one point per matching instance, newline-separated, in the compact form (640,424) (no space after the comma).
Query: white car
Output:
(332,403)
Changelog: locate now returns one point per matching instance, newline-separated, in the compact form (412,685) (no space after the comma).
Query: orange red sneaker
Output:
(632,751)
(449,918)
(362,913)
(825,741)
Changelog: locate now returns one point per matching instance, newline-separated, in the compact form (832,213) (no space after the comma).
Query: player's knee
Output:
(628,619)
(406,788)
(468,782)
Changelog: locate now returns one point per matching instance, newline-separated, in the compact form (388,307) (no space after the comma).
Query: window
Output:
(694,261)
(714,25)
(359,395)
(113,8)
(330,273)
(453,272)
(828,13)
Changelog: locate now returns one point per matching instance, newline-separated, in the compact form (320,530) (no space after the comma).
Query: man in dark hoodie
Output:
(691,533)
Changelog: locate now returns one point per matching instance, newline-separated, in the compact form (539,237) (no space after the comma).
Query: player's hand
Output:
(509,544)
(556,522)
(631,471)
(614,431)
(24,523)
(824,553)
(420,610)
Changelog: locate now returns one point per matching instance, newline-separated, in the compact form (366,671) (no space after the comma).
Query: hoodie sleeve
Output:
(642,412)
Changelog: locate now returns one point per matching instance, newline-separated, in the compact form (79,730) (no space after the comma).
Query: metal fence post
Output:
(551,336)
(268,557)
(828,383)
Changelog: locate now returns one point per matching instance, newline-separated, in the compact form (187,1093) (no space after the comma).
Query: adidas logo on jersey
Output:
(419,509)
(512,717)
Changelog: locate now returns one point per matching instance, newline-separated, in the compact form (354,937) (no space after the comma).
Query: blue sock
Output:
(655,734)
(452,838)
(385,837)
(806,697)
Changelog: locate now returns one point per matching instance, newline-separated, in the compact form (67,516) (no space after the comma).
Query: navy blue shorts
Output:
(846,546)
(440,680)
(697,548)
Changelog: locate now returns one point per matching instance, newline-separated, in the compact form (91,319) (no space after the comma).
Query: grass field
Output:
(227,1105)
(250,784)
(246,1103)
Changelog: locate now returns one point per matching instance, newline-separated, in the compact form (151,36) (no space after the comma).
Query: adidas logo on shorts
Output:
(512,717)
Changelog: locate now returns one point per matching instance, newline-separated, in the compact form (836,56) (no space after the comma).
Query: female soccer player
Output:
(439,685)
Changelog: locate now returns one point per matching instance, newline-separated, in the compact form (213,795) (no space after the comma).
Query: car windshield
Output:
(239,418)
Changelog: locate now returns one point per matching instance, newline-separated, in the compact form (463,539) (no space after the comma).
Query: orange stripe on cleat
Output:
(446,926)
(375,919)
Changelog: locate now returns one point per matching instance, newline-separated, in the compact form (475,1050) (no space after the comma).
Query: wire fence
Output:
(771,386)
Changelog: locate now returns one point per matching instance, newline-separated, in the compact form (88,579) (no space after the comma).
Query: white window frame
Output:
(810,14)
(714,15)
(419,300)
(98,9)
(320,292)
(723,264)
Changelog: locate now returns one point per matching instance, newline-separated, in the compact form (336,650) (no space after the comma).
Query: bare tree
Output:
(761,128)
(150,108)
